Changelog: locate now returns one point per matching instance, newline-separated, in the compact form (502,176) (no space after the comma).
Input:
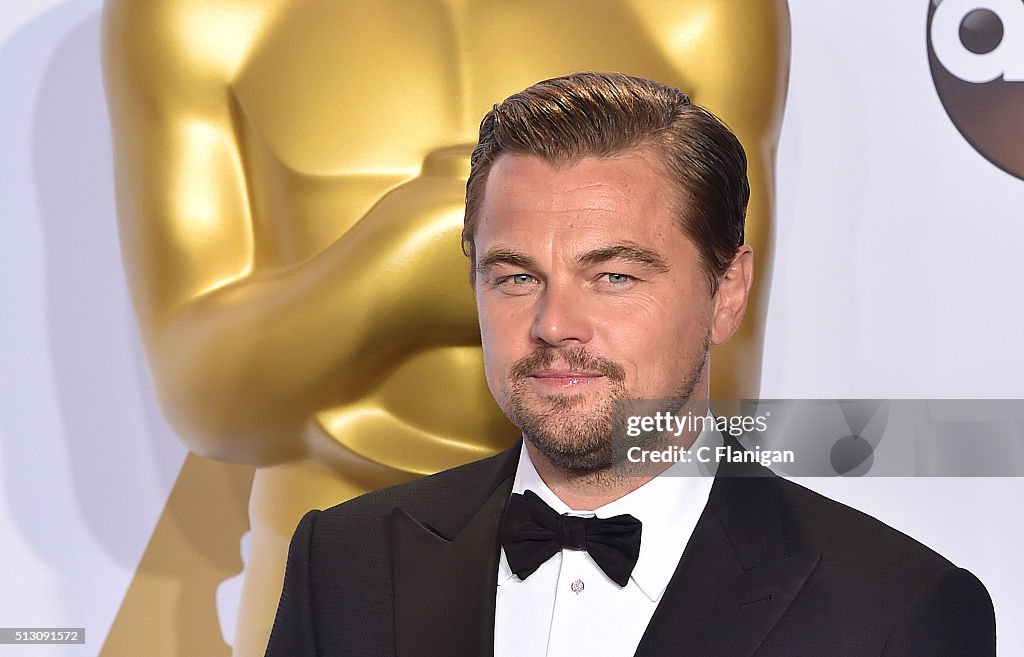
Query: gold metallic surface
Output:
(291,178)
(169,610)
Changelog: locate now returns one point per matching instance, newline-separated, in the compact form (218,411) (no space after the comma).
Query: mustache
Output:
(575,358)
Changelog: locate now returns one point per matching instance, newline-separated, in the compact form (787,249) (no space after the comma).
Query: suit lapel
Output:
(737,576)
(445,571)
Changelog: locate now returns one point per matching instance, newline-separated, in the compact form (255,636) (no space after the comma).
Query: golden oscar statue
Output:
(290,180)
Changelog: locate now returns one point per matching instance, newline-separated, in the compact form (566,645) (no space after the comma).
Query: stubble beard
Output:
(575,433)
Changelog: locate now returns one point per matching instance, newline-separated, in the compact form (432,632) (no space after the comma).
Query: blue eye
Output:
(516,284)
(618,279)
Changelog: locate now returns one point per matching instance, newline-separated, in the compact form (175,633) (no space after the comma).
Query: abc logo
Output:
(976,54)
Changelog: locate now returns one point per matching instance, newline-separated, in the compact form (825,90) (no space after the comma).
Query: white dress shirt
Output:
(568,607)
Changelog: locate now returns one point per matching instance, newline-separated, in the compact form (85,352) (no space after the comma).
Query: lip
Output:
(565,378)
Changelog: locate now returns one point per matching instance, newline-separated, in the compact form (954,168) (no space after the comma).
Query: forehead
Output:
(626,194)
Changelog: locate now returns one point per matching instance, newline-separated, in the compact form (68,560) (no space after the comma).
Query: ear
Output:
(732,296)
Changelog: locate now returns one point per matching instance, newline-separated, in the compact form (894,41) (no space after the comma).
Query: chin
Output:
(571,434)
(573,453)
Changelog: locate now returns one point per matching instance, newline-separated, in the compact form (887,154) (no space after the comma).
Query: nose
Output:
(561,317)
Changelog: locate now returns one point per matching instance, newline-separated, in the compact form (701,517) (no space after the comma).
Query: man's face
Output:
(588,291)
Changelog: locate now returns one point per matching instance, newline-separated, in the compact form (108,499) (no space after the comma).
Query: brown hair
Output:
(604,114)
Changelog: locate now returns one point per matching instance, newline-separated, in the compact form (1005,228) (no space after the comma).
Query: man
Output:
(604,222)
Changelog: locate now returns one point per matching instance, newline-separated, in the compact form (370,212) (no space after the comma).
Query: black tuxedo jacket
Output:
(771,569)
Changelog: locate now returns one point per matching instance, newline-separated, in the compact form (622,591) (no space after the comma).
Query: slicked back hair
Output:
(588,114)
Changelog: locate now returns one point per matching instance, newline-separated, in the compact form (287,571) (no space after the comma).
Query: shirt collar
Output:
(668,506)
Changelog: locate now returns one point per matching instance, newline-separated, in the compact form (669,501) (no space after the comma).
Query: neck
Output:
(590,490)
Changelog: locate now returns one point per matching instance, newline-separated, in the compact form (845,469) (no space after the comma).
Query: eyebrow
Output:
(499,256)
(626,252)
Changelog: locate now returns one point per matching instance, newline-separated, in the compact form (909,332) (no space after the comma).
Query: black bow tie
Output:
(532,532)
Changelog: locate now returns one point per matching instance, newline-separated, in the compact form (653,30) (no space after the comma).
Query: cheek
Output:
(656,338)
(495,362)
(497,324)
(493,343)
(632,314)
(657,318)
(501,335)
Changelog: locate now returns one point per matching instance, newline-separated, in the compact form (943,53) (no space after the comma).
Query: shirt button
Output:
(577,586)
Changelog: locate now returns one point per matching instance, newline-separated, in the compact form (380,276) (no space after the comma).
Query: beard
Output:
(575,432)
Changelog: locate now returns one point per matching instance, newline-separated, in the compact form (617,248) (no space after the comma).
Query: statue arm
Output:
(242,358)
